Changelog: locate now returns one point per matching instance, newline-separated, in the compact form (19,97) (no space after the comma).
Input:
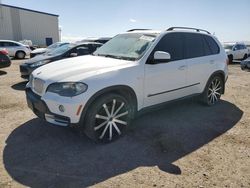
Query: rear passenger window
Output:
(243,47)
(206,47)
(173,44)
(194,45)
(212,45)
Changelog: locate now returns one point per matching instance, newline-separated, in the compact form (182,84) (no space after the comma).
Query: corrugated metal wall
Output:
(17,24)
(5,23)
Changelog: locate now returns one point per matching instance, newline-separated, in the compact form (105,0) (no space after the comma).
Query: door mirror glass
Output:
(160,57)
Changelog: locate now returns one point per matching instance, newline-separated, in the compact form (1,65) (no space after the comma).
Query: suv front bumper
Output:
(39,107)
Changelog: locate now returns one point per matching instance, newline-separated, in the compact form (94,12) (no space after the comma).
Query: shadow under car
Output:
(38,154)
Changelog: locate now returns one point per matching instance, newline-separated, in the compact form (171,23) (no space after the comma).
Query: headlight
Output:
(39,63)
(67,89)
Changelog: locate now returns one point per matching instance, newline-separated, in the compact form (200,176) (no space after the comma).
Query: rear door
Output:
(245,50)
(200,52)
(237,52)
(167,80)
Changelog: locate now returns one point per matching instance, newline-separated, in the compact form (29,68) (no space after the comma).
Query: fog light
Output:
(61,108)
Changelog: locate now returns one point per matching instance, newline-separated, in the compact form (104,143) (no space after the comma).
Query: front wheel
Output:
(213,91)
(108,118)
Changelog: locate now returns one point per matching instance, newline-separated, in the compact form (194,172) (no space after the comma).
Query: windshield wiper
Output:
(117,57)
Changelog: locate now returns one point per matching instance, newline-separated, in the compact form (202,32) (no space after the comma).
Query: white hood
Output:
(79,68)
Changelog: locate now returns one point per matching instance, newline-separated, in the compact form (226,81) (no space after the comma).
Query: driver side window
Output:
(173,44)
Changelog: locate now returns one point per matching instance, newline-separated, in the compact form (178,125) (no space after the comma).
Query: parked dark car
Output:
(102,40)
(4,59)
(39,51)
(245,64)
(65,51)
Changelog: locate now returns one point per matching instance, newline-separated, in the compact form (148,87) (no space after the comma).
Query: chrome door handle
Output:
(183,67)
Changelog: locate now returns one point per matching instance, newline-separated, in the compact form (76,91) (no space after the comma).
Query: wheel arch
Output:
(123,90)
(219,73)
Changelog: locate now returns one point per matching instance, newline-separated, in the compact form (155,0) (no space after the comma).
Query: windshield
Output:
(130,46)
(228,47)
(55,45)
(60,50)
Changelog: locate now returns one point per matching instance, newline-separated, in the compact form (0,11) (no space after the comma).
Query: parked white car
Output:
(15,49)
(236,51)
(136,70)
(248,47)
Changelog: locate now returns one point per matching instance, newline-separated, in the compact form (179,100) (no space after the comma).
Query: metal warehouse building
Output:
(23,24)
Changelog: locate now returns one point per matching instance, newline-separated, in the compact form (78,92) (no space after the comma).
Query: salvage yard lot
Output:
(184,144)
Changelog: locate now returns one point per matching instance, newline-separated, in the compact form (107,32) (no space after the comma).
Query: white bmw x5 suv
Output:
(101,93)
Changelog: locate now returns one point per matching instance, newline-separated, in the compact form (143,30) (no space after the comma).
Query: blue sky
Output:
(228,19)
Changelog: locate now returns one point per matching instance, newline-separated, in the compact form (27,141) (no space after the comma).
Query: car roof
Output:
(234,43)
(158,32)
(10,41)
(144,31)
(82,43)
(97,38)
(14,42)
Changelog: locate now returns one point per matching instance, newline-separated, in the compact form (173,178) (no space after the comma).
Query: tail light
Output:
(4,52)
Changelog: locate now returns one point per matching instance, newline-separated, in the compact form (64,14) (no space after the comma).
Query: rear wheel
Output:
(20,55)
(245,56)
(108,118)
(230,58)
(213,91)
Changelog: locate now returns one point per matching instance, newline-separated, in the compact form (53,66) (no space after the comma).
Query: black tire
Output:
(103,126)
(230,58)
(245,56)
(20,55)
(213,91)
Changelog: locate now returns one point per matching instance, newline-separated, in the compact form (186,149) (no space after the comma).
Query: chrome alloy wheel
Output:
(111,119)
(214,91)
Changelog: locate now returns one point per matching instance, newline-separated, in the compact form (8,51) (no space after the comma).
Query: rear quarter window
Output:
(212,45)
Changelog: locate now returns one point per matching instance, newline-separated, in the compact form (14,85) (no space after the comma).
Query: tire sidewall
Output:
(18,55)
(205,94)
(230,58)
(89,123)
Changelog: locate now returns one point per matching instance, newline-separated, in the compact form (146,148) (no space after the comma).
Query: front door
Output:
(166,81)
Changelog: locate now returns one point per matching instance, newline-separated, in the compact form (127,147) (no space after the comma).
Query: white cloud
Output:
(132,20)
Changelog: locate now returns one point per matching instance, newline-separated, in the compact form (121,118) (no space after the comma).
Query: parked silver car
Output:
(15,49)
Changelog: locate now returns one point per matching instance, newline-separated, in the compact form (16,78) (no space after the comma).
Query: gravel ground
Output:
(183,144)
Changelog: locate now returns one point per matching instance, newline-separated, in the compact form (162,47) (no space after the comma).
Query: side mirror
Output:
(160,57)
(73,55)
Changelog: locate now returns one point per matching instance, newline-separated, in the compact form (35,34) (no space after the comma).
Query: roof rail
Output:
(196,29)
(137,30)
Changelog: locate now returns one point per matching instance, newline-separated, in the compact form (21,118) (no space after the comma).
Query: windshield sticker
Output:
(148,38)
